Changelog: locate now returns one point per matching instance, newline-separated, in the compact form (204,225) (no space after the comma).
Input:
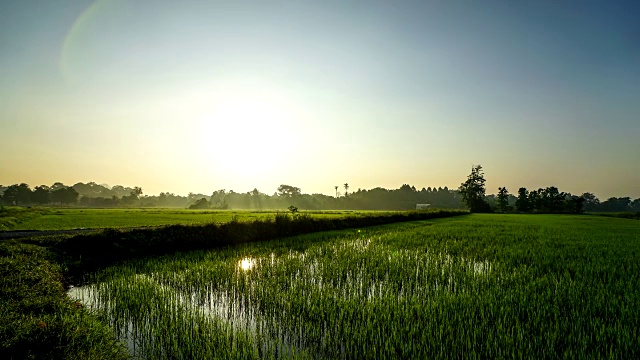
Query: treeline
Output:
(551,200)
(547,200)
(404,198)
(93,195)
(543,200)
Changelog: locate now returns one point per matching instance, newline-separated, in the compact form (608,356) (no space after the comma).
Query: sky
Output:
(196,96)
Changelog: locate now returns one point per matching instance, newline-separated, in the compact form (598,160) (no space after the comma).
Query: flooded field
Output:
(402,291)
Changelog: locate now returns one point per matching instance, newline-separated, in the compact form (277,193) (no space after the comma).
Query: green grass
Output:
(12,217)
(71,218)
(478,286)
(40,321)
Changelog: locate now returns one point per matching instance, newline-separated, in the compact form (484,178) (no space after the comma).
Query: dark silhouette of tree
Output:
(10,195)
(535,202)
(57,185)
(574,204)
(503,199)
(522,203)
(615,204)
(551,199)
(17,194)
(64,195)
(591,202)
(473,191)
(346,189)
(41,195)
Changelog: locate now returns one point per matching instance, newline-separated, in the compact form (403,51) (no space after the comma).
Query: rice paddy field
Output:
(16,218)
(476,286)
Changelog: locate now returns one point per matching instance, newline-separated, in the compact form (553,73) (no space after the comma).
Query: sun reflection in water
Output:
(246,264)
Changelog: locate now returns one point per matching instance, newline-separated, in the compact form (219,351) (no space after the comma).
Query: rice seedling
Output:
(474,287)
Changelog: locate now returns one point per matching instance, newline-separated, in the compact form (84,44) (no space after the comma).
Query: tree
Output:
(64,195)
(346,189)
(17,194)
(336,190)
(522,203)
(574,204)
(57,185)
(534,200)
(10,195)
(288,191)
(41,195)
(616,204)
(503,199)
(137,191)
(219,199)
(200,204)
(551,199)
(591,202)
(133,197)
(256,198)
(473,191)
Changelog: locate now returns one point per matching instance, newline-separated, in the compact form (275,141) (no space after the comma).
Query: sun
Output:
(244,127)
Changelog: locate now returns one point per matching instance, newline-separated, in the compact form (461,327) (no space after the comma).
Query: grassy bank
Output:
(40,320)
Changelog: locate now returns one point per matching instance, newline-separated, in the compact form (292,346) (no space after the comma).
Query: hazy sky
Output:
(196,96)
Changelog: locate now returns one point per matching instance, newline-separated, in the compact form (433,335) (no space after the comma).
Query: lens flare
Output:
(246,264)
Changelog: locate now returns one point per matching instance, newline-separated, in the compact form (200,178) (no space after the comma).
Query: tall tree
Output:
(503,199)
(522,203)
(346,189)
(473,190)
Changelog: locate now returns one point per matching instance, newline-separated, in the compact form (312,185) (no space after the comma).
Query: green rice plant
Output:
(481,286)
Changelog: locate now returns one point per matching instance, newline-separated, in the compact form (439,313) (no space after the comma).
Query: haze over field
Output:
(195,96)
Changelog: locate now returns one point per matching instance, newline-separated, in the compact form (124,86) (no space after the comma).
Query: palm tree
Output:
(346,189)
(336,190)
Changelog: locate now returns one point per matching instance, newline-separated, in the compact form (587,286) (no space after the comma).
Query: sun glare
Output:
(243,127)
(246,264)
